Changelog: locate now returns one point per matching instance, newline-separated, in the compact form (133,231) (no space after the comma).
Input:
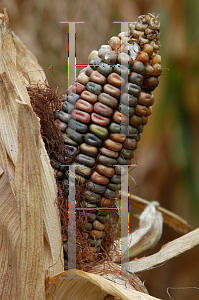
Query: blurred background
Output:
(167,158)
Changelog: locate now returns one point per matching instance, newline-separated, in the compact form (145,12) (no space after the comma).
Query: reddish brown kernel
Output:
(109,152)
(104,202)
(104,170)
(84,105)
(145,99)
(119,118)
(98,178)
(76,88)
(152,97)
(81,116)
(144,120)
(88,96)
(103,109)
(98,77)
(112,145)
(143,57)
(59,175)
(61,125)
(96,234)
(130,144)
(151,82)
(117,137)
(142,110)
(135,121)
(100,120)
(116,80)
(112,90)
(98,225)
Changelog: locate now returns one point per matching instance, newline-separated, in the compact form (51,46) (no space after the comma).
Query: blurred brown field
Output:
(167,158)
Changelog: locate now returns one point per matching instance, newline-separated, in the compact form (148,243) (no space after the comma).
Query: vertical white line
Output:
(124,73)
(124,212)
(71,59)
(71,223)
(124,219)
(72,176)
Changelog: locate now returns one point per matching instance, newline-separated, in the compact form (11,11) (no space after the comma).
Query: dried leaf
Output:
(88,286)
(1,172)
(112,272)
(9,230)
(8,116)
(170,250)
(176,222)
(149,231)
(146,236)
(29,219)
(28,190)
(26,63)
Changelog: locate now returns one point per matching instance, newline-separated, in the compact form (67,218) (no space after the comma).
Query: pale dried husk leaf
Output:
(28,192)
(88,286)
(113,272)
(29,219)
(149,231)
(9,228)
(168,251)
(146,236)
(171,219)
(26,63)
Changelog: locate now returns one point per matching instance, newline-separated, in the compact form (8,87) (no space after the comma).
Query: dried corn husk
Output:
(168,251)
(176,222)
(88,286)
(29,218)
(146,236)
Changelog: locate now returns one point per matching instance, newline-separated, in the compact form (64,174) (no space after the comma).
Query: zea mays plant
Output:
(100,121)
(30,220)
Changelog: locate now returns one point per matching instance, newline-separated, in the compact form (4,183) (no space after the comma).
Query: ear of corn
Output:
(101,126)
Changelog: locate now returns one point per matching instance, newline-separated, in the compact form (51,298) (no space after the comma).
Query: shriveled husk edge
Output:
(30,251)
